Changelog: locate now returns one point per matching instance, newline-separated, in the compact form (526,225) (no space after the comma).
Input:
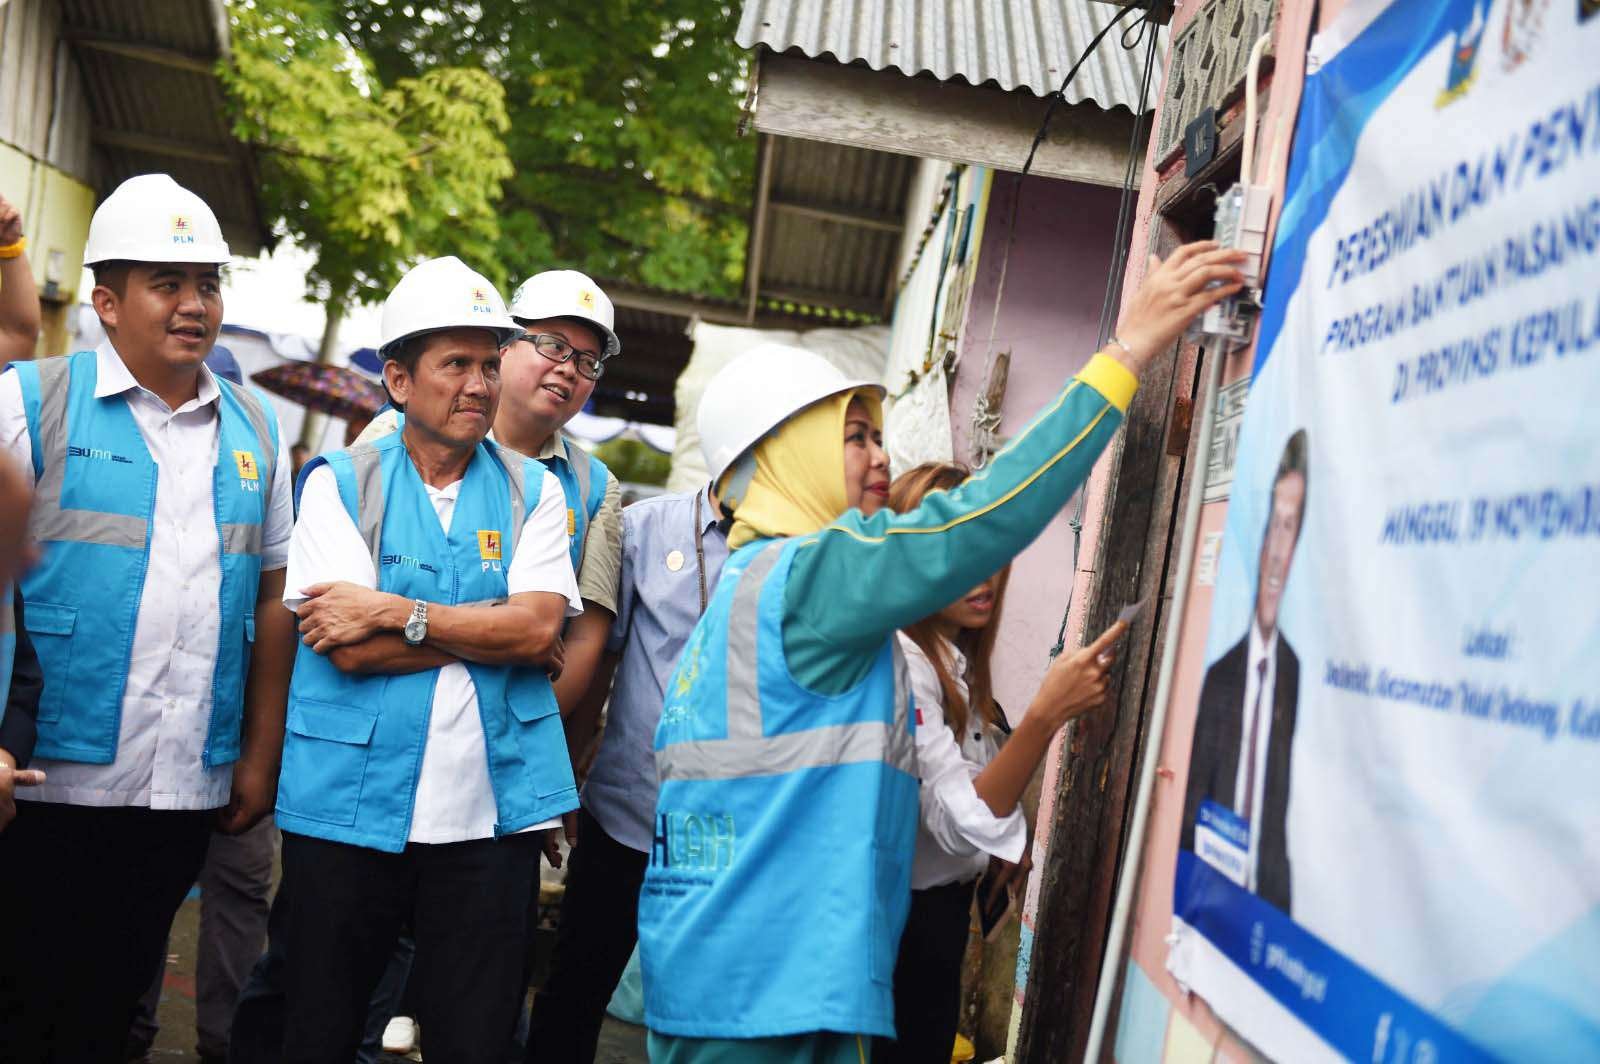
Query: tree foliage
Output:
(634,462)
(368,172)
(623,136)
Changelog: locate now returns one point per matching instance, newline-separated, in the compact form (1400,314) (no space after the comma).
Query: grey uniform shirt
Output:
(658,604)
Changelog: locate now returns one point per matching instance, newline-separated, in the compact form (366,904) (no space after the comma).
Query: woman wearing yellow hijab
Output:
(786,819)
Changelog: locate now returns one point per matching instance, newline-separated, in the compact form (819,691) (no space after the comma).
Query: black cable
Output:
(1119,261)
(1059,96)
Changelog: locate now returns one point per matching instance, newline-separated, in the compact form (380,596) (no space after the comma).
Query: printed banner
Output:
(1391,834)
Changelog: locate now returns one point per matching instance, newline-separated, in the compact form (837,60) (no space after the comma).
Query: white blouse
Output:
(957,831)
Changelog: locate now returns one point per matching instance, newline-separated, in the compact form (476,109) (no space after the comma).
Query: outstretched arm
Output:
(862,578)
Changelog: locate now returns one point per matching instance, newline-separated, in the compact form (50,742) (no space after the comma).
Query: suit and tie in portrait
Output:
(1244,732)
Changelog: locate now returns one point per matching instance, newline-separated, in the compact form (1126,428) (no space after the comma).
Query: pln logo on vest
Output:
(480,301)
(249,472)
(489,548)
(182,229)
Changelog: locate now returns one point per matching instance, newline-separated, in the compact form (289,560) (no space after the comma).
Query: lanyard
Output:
(700,551)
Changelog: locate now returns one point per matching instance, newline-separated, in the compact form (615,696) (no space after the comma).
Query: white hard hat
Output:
(756,392)
(443,293)
(567,294)
(152,218)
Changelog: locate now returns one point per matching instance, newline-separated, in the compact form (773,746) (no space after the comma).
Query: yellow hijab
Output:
(798,484)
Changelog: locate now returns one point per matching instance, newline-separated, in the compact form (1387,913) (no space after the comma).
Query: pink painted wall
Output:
(1049,315)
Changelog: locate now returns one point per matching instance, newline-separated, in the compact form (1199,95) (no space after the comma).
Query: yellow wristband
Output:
(11,251)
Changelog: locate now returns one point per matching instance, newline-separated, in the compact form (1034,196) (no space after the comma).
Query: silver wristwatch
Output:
(416,629)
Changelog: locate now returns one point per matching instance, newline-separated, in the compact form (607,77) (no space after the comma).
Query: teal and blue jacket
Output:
(354,743)
(94,496)
(779,878)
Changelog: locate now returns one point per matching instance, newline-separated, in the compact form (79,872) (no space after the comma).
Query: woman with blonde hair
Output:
(973,770)
(779,875)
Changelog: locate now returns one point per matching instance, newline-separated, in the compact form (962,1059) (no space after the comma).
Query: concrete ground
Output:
(620,1043)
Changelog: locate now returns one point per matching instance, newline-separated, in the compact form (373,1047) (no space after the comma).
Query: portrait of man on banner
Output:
(1237,800)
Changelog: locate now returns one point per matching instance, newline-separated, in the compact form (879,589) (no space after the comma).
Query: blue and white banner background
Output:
(1432,323)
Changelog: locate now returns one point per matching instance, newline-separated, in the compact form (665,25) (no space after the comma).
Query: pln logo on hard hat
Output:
(586,299)
(182,229)
(480,302)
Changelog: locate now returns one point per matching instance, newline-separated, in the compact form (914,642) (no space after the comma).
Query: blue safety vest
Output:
(94,496)
(780,873)
(353,749)
(583,482)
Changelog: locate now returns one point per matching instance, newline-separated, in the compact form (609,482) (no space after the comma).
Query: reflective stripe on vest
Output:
(748,751)
(50,522)
(367,460)
(583,511)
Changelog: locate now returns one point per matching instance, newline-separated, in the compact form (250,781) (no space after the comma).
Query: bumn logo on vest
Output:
(99,454)
(701,842)
(406,560)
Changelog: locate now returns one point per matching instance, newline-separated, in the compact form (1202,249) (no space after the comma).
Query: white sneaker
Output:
(400,1036)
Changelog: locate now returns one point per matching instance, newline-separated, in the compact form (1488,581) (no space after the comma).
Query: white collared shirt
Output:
(957,830)
(454,800)
(166,706)
(1262,648)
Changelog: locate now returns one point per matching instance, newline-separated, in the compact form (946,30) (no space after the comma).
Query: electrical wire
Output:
(1111,301)
(986,422)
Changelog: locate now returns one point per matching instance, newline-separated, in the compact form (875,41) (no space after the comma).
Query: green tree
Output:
(634,462)
(368,173)
(624,126)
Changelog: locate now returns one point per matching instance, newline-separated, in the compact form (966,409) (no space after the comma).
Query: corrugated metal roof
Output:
(811,258)
(1016,44)
(155,104)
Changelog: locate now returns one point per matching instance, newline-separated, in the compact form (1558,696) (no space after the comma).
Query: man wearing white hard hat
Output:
(162,507)
(424,754)
(567,336)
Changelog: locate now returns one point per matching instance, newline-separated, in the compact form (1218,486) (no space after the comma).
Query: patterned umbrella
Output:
(334,390)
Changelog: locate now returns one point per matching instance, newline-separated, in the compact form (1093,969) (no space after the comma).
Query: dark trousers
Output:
(927,977)
(467,905)
(257,1034)
(235,884)
(599,926)
(86,897)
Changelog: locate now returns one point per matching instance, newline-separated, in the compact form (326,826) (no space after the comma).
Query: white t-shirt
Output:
(454,801)
(166,701)
(957,831)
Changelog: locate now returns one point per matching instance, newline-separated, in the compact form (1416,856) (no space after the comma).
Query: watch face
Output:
(416,629)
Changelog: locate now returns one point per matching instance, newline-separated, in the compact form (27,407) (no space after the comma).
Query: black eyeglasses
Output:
(556,349)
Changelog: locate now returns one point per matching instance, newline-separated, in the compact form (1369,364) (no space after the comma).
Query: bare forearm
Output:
(19,310)
(515,633)
(389,654)
(1003,780)
(585,646)
(271,663)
